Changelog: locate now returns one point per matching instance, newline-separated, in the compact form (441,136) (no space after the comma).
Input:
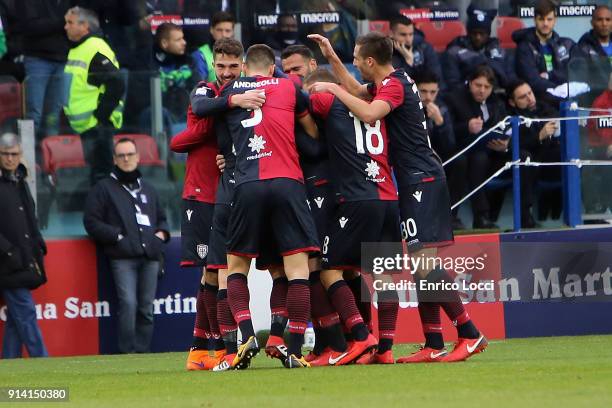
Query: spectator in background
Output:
(465,53)
(221,26)
(541,142)
(123,216)
(442,137)
(542,56)
(45,46)
(21,254)
(94,107)
(598,194)
(410,51)
(596,44)
(286,33)
(177,71)
(298,60)
(474,109)
(342,35)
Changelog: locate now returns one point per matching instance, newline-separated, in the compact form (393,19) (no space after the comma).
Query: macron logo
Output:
(189,212)
(319,201)
(343,221)
(417,195)
(385,81)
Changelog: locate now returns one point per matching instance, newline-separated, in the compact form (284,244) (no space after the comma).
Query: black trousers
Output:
(98,150)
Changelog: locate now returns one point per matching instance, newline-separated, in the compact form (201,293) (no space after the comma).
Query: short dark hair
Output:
(400,19)
(483,70)
(544,8)
(376,45)
(425,76)
(259,55)
(222,17)
(513,86)
(321,75)
(164,30)
(600,7)
(303,50)
(124,140)
(228,46)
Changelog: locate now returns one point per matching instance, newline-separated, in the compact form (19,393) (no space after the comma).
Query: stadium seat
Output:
(440,33)
(505,27)
(380,26)
(65,169)
(147,148)
(10,101)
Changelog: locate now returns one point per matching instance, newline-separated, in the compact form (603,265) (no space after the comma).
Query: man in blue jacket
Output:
(542,56)
(465,53)
(123,216)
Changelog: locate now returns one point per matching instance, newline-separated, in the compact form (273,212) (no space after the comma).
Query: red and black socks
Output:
(227,324)
(278,306)
(238,298)
(201,328)
(298,308)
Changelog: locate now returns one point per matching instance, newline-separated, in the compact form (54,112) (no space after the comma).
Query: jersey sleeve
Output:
(391,92)
(320,104)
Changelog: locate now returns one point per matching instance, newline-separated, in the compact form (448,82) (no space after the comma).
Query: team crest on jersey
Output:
(189,213)
(343,222)
(202,250)
(319,201)
(417,195)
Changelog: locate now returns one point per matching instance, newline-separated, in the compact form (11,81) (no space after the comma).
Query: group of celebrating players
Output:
(302,197)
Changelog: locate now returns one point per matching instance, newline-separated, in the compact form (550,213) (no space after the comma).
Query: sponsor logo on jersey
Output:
(373,171)
(257,144)
(343,222)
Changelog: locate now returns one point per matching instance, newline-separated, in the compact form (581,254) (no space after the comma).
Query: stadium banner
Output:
(568,10)
(67,306)
(561,282)
(196,22)
(267,21)
(418,15)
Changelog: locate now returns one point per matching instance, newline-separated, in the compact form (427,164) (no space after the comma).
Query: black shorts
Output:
(322,203)
(426,215)
(279,203)
(196,223)
(355,222)
(217,258)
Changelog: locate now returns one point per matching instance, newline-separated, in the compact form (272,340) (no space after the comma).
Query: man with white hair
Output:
(21,254)
(95,107)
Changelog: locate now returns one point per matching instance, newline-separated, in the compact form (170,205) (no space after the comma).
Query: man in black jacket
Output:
(21,254)
(542,56)
(465,53)
(596,45)
(123,216)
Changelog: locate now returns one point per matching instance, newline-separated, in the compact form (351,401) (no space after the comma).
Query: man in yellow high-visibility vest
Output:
(94,107)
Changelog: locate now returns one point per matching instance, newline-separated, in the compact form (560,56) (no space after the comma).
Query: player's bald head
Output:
(259,57)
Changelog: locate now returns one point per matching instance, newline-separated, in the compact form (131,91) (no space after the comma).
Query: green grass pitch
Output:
(538,372)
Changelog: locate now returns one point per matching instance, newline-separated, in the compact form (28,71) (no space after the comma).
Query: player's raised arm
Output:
(352,85)
(367,112)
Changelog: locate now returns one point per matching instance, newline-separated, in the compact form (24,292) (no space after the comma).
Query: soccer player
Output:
(367,211)
(269,193)
(201,182)
(424,198)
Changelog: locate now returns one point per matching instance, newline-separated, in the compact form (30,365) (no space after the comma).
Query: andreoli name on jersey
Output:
(257,84)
